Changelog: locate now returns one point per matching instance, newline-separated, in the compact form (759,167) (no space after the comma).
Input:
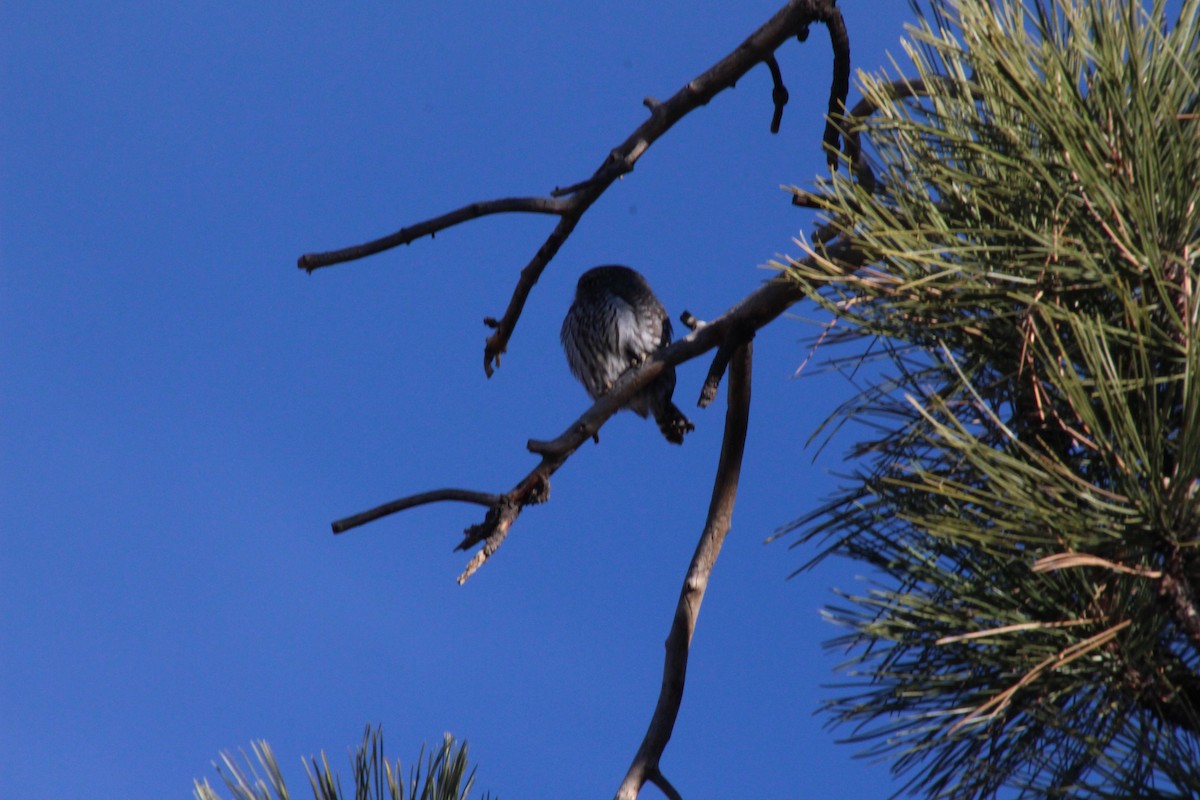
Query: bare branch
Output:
(753,312)
(779,94)
(506,205)
(738,324)
(497,343)
(689,320)
(839,38)
(756,310)
(571,202)
(720,514)
(424,498)
(656,777)
(493,530)
(736,338)
(723,75)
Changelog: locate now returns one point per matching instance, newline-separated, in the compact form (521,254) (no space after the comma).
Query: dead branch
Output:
(656,777)
(504,205)
(424,498)
(570,203)
(720,514)
(839,87)
(737,325)
(779,94)
(736,338)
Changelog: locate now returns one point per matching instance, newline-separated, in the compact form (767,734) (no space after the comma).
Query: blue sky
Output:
(183,412)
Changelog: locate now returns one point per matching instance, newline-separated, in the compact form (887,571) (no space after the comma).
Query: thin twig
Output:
(779,94)
(656,777)
(720,514)
(498,523)
(429,227)
(817,346)
(690,321)
(424,498)
(839,87)
(720,362)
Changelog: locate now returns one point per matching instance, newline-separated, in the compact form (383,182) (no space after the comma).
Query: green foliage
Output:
(1028,491)
(445,775)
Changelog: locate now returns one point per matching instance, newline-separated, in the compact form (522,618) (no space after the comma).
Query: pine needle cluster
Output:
(443,776)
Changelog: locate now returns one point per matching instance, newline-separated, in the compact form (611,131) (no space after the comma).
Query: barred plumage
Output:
(614,324)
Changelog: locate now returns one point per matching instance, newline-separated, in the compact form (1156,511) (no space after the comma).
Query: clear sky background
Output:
(183,412)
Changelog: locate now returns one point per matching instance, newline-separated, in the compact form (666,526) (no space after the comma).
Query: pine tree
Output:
(1027,206)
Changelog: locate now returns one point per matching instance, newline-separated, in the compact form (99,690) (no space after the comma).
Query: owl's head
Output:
(611,278)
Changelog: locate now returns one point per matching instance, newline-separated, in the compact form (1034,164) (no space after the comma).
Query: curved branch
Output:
(571,202)
(656,777)
(429,227)
(839,88)
(779,94)
(720,514)
(424,498)
(739,323)
(737,336)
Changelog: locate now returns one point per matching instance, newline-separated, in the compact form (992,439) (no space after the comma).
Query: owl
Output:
(615,324)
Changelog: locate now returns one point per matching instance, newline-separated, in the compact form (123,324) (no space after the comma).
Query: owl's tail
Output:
(673,423)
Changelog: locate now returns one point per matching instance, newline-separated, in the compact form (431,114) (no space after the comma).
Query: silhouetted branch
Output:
(779,94)
(656,777)
(571,202)
(839,38)
(506,205)
(720,362)
(424,498)
(645,765)
(689,320)
(738,325)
